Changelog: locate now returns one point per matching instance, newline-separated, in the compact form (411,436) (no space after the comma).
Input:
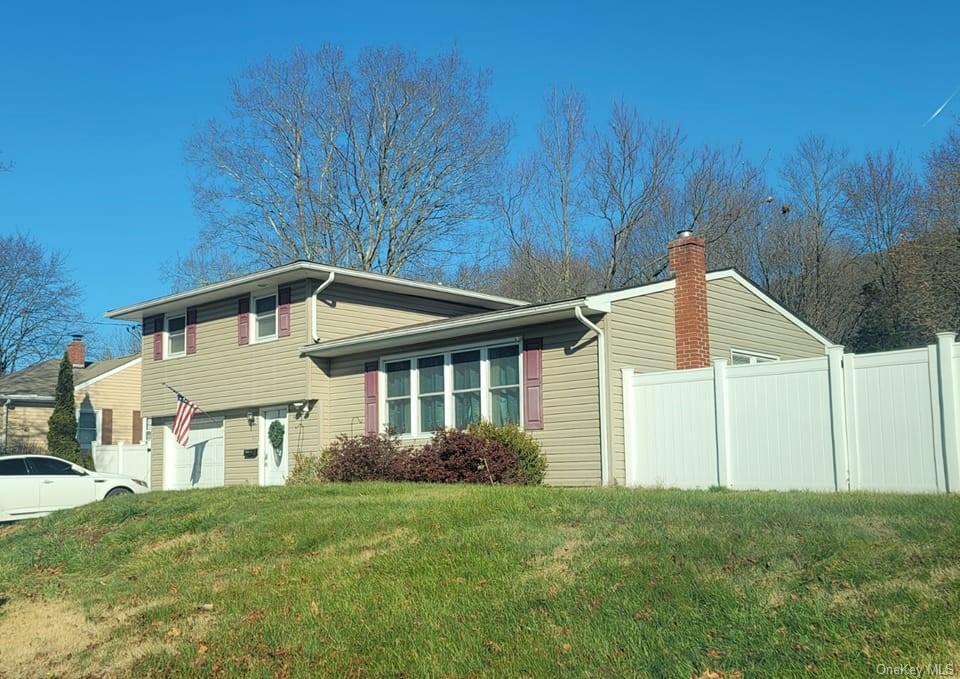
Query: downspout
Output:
(313,307)
(604,396)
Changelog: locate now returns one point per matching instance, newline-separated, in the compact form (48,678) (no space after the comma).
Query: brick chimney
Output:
(77,352)
(688,261)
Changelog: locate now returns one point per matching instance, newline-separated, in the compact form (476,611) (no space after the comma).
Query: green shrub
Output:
(531,464)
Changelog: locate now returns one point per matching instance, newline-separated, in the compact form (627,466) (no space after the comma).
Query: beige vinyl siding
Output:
(571,403)
(224,375)
(640,336)
(345,310)
(120,392)
(740,320)
(238,436)
(27,426)
(157,441)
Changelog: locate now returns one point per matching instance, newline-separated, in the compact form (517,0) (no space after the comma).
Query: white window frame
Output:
(446,352)
(255,326)
(753,356)
(166,336)
(99,416)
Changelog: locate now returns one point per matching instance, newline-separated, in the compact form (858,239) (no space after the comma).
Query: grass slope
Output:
(407,580)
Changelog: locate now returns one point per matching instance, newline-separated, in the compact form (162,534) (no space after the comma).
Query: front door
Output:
(273,458)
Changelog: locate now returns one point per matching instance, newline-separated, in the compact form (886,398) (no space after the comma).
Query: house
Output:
(107,394)
(325,350)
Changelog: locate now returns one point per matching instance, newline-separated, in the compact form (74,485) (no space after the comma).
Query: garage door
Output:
(199,464)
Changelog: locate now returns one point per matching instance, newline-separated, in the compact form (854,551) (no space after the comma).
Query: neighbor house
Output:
(107,395)
(326,351)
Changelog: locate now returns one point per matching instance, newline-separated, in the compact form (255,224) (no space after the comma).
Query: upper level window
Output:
(265,317)
(738,357)
(452,389)
(176,336)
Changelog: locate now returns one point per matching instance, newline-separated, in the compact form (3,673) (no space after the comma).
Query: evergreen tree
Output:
(62,426)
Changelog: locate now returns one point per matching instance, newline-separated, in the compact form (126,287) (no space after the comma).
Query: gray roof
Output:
(40,379)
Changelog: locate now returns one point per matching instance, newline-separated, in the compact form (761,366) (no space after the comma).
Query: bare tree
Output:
(207,262)
(377,163)
(929,258)
(631,166)
(39,304)
(115,342)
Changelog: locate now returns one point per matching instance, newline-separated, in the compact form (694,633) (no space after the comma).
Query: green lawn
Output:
(414,580)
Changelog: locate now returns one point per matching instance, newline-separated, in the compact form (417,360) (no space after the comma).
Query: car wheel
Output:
(116,492)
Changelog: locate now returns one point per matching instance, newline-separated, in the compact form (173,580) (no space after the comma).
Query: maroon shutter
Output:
(371,407)
(106,426)
(533,384)
(243,320)
(137,430)
(158,337)
(192,330)
(283,312)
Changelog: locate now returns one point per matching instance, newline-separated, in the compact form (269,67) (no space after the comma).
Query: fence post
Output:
(119,457)
(723,432)
(850,416)
(629,428)
(948,409)
(838,417)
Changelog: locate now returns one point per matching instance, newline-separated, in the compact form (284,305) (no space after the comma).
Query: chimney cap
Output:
(76,337)
(684,233)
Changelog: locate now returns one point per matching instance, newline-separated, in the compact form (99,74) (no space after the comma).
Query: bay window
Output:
(453,388)
(398,396)
(505,384)
(466,387)
(430,370)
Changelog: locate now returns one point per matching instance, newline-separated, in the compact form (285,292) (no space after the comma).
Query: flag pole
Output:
(199,409)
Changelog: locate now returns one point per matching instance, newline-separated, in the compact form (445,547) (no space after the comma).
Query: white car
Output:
(35,485)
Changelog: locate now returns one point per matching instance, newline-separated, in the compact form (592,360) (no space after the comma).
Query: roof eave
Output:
(293,271)
(452,328)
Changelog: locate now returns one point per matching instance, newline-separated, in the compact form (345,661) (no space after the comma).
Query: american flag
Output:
(181,422)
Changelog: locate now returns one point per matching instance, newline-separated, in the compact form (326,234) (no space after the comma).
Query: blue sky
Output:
(97,99)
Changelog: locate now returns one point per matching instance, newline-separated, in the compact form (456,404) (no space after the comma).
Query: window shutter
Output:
(137,429)
(283,312)
(533,384)
(158,337)
(371,406)
(243,320)
(192,330)
(106,426)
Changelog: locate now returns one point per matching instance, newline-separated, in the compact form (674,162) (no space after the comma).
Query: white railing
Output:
(884,421)
(129,459)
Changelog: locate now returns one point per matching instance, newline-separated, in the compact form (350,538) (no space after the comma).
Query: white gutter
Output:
(39,398)
(314,335)
(604,396)
(427,332)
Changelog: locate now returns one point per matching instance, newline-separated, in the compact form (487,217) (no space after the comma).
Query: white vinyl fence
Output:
(128,459)
(884,421)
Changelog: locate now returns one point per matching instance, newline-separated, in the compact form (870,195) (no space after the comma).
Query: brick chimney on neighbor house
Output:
(688,261)
(77,352)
